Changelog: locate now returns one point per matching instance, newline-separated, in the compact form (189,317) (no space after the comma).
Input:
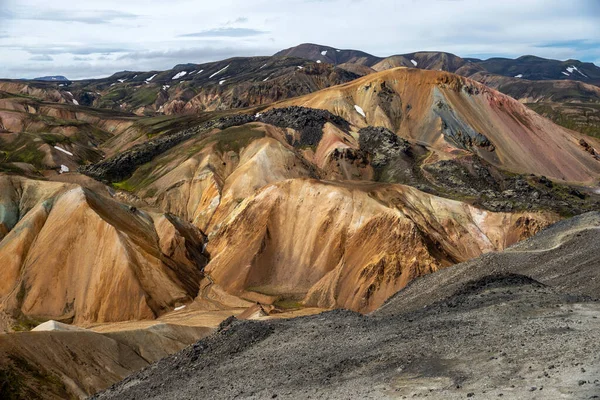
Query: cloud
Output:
(239,20)
(41,57)
(73,49)
(226,32)
(93,17)
(192,54)
(96,37)
(576,44)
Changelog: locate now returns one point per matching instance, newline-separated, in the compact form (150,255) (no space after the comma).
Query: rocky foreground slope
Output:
(520,324)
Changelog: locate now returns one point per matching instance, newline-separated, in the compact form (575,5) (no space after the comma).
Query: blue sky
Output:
(97,38)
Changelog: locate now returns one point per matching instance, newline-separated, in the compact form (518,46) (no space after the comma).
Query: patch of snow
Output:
(264,80)
(359,110)
(193,72)
(519,76)
(257,115)
(565,73)
(299,67)
(63,150)
(152,77)
(61,85)
(318,61)
(135,76)
(414,62)
(179,308)
(180,75)
(574,68)
(69,93)
(263,66)
(222,82)
(75,102)
(218,72)
(63,168)
(121,80)
(338,51)
(165,87)
(199,72)
(324,52)
(56,326)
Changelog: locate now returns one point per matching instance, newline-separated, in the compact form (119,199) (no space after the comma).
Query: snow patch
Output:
(75,102)
(318,61)
(199,72)
(299,67)
(56,326)
(69,93)
(218,72)
(324,53)
(264,80)
(263,66)
(63,150)
(519,76)
(359,110)
(338,51)
(573,68)
(121,80)
(414,62)
(257,115)
(63,168)
(180,75)
(152,77)
(179,308)
(565,73)
(165,87)
(222,82)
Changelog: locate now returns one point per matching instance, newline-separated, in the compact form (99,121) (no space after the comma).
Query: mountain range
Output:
(421,194)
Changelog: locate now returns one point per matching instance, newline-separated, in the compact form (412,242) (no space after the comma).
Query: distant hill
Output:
(525,67)
(52,78)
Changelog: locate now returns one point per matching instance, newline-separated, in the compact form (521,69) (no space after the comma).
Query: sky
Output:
(96,38)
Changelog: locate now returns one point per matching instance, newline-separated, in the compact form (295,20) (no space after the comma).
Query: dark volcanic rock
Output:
(122,165)
(308,121)
(382,143)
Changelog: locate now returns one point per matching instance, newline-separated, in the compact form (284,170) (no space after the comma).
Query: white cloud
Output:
(143,35)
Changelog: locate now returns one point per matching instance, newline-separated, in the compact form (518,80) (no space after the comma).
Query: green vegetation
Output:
(124,185)
(144,96)
(236,138)
(288,304)
(20,380)
(23,149)
(580,117)
(53,138)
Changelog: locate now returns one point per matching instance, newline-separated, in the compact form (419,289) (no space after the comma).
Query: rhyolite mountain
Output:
(140,211)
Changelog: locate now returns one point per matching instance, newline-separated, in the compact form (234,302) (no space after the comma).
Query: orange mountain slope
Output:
(450,112)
